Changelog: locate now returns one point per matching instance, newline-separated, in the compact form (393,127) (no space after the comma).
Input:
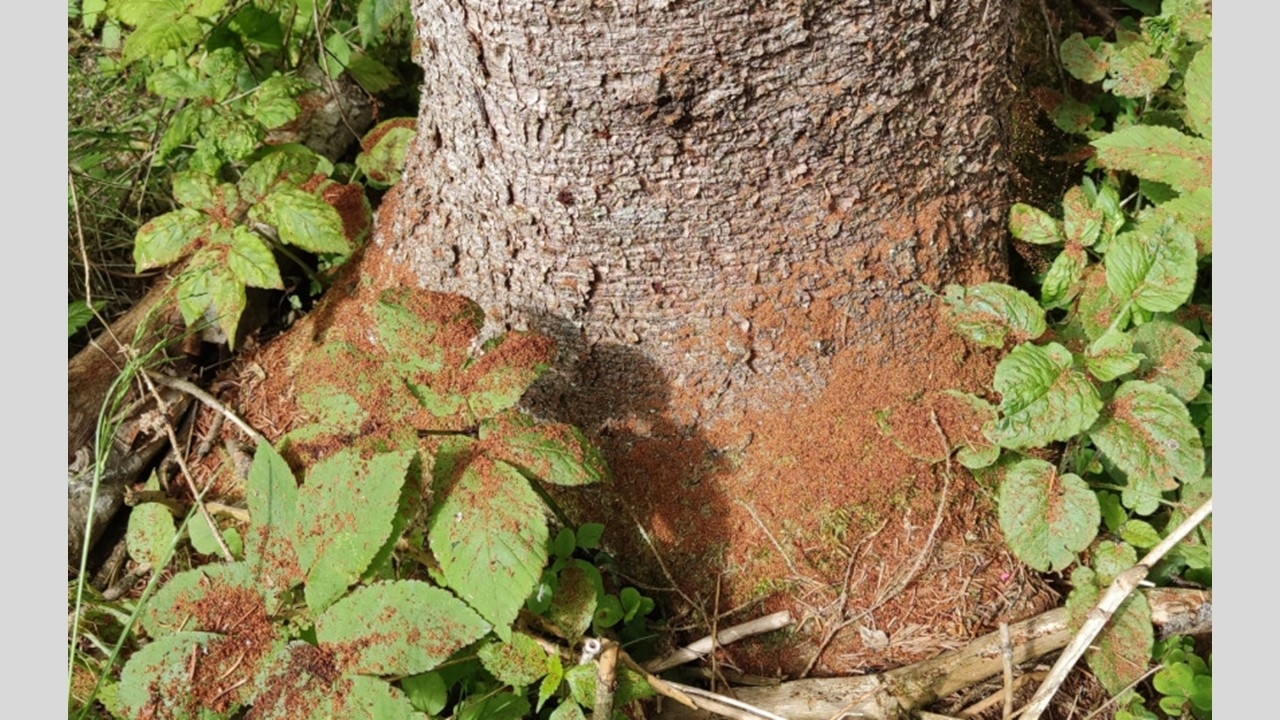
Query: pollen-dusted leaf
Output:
(546,451)
(384,148)
(1030,224)
(1081,217)
(404,627)
(519,662)
(298,682)
(968,417)
(150,534)
(581,680)
(551,681)
(156,682)
(1171,358)
(166,238)
(1147,432)
(1047,518)
(1194,211)
(172,608)
(989,313)
(1111,356)
(271,493)
(497,380)
(345,515)
(1158,153)
(278,168)
(1198,89)
(227,298)
(273,103)
(1062,282)
(1099,309)
(251,260)
(360,697)
(195,190)
(1042,398)
(305,221)
(1122,651)
(574,603)
(1154,265)
(1085,61)
(489,532)
(1134,72)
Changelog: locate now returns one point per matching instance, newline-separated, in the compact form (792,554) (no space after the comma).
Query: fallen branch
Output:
(697,649)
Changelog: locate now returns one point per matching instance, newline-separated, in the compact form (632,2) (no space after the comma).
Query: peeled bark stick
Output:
(606,679)
(697,649)
(1124,583)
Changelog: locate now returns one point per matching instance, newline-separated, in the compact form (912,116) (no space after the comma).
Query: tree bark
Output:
(704,202)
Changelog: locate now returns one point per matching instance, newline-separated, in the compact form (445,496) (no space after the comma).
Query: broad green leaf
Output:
(1062,282)
(274,102)
(178,83)
(339,53)
(519,662)
(187,599)
(1033,225)
(258,26)
(404,627)
(181,127)
(1085,61)
(1047,518)
(299,682)
(988,314)
(551,452)
(156,682)
(384,148)
(1122,651)
(209,281)
(1081,217)
(509,365)
(1153,266)
(1194,211)
(196,190)
(158,36)
(427,692)
(503,706)
(567,710)
(203,537)
(1111,356)
(1135,72)
(1198,86)
(1099,310)
(251,260)
(1158,153)
(581,680)
(167,238)
(306,221)
(271,493)
(1171,358)
(589,535)
(372,75)
(1147,432)
(345,514)
(489,533)
(377,17)
(80,314)
(1139,534)
(1113,512)
(359,697)
(1042,398)
(150,534)
(276,169)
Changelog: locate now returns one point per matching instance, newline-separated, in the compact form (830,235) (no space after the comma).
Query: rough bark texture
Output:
(704,201)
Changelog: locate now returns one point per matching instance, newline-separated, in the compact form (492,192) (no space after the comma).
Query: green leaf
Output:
(251,260)
(156,682)
(1147,432)
(168,237)
(306,221)
(208,289)
(509,365)
(367,698)
(1042,399)
(203,538)
(175,606)
(582,686)
(417,627)
(384,149)
(1122,651)
(1134,71)
(1111,356)
(1194,211)
(988,314)
(1062,282)
(589,535)
(551,452)
(339,52)
(1047,518)
(1033,225)
(1158,153)
(271,494)
(150,534)
(1113,513)
(1085,61)
(372,75)
(159,35)
(258,26)
(1198,89)
(279,168)
(181,127)
(178,83)
(427,692)
(551,681)
(574,603)
(1099,310)
(1139,534)
(377,17)
(519,662)
(298,683)
(1171,358)
(80,314)
(1153,266)
(1082,219)
(503,706)
(274,102)
(489,532)
(196,190)
(346,510)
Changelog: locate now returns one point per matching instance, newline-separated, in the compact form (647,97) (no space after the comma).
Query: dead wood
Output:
(895,693)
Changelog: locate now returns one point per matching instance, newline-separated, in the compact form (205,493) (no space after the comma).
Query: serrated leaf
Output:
(1171,358)
(509,365)
(1147,432)
(150,534)
(989,313)
(574,603)
(1062,282)
(171,608)
(1158,153)
(178,83)
(373,76)
(1098,309)
(1111,356)
(551,452)
(276,169)
(1198,89)
(1194,211)
(1081,218)
(251,260)
(1121,653)
(384,149)
(1139,534)
(258,26)
(156,683)
(271,493)
(299,682)
(160,34)
(417,627)
(489,533)
(167,238)
(1046,518)
(551,681)
(567,710)
(345,515)
(1153,266)
(1032,225)
(519,662)
(306,221)
(1081,59)
(359,697)
(377,17)
(1042,398)
(196,190)
(1135,72)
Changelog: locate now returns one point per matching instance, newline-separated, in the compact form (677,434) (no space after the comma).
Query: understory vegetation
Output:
(204,157)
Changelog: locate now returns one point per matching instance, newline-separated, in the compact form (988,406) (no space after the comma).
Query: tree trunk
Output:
(730,217)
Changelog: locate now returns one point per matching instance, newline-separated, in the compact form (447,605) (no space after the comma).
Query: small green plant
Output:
(1108,366)
(408,442)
